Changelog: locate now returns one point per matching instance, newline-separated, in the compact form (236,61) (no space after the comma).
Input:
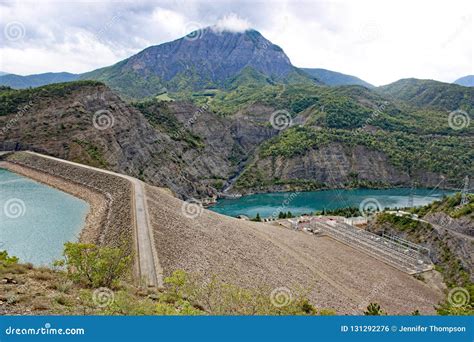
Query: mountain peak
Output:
(205,58)
(466,81)
(232,23)
(215,33)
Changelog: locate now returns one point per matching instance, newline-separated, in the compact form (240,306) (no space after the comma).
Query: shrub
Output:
(9,264)
(257,218)
(374,309)
(95,266)
(6,260)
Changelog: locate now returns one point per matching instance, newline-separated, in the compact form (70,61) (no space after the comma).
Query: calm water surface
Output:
(307,202)
(36,220)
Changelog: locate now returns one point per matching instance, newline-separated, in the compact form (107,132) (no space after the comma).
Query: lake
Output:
(308,202)
(36,220)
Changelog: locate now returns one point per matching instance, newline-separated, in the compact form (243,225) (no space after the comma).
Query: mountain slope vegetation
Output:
(432,94)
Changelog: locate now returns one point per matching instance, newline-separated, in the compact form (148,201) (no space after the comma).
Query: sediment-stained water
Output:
(36,220)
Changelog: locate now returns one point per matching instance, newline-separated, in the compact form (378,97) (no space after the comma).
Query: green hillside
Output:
(432,94)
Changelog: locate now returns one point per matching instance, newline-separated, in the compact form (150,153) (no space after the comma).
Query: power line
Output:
(465,190)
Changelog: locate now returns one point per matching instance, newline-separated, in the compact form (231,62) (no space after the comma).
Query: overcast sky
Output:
(378,41)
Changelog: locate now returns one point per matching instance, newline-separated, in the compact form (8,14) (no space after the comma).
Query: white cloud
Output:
(378,41)
(232,23)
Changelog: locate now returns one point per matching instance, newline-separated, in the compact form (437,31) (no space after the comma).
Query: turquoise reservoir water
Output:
(36,220)
(307,202)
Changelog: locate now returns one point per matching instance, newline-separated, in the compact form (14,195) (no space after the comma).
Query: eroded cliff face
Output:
(335,163)
(331,166)
(92,125)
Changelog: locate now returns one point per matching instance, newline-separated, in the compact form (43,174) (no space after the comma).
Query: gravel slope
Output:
(256,254)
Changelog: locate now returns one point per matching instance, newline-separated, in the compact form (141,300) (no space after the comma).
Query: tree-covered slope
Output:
(432,94)
(362,137)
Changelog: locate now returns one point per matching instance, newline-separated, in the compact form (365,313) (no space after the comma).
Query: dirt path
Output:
(149,268)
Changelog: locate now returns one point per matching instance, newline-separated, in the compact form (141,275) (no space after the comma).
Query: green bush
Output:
(374,309)
(6,260)
(95,266)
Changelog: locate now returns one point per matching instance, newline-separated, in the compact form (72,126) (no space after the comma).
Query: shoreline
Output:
(242,195)
(268,191)
(90,231)
(283,207)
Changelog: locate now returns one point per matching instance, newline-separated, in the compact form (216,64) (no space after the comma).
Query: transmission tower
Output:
(465,190)
(411,195)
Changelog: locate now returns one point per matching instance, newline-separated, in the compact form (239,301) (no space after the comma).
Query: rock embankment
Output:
(111,220)
(252,254)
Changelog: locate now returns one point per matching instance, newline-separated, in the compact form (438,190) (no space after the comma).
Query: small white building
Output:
(294,223)
(355,221)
